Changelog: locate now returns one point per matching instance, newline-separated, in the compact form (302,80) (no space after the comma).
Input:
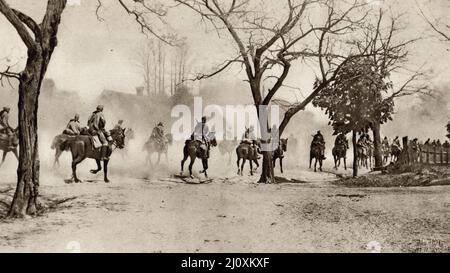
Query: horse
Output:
(279,152)
(152,146)
(226,148)
(58,140)
(81,147)
(247,151)
(395,152)
(316,153)
(7,147)
(362,156)
(192,149)
(340,152)
(129,135)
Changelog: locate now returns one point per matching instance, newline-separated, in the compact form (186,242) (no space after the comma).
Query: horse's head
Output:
(283,144)
(118,136)
(212,139)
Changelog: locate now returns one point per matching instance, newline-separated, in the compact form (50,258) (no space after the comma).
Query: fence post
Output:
(434,154)
(405,152)
(427,155)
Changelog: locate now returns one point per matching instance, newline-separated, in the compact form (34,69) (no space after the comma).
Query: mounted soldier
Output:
(158,135)
(6,129)
(73,128)
(341,139)
(119,125)
(96,124)
(201,132)
(385,143)
(319,141)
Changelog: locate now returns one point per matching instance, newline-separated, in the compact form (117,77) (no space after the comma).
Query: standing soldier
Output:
(73,128)
(96,124)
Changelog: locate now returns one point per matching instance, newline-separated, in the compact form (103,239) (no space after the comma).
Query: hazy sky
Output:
(93,55)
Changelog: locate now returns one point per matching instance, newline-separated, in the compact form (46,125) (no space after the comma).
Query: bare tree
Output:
(268,46)
(440,26)
(41,40)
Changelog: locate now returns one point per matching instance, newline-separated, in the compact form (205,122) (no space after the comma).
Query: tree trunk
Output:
(267,174)
(25,200)
(355,155)
(378,153)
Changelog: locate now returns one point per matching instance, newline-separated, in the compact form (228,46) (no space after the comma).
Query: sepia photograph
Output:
(224,126)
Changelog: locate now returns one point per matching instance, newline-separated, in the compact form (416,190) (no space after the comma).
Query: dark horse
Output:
(279,152)
(316,152)
(247,151)
(340,152)
(192,149)
(7,147)
(152,146)
(58,140)
(81,148)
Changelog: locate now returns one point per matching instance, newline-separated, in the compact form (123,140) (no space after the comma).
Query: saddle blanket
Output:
(96,142)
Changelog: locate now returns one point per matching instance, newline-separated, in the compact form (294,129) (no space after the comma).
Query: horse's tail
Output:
(54,142)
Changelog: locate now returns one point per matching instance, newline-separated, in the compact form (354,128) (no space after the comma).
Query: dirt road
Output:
(231,215)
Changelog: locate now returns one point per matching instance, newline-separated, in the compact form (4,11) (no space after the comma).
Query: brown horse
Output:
(81,148)
(247,151)
(279,152)
(192,149)
(7,147)
(316,153)
(340,152)
(58,140)
(152,146)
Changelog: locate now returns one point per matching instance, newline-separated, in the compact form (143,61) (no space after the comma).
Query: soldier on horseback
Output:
(385,143)
(158,135)
(96,124)
(341,139)
(119,125)
(396,143)
(6,129)
(319,141)
(73,128)
(201,132)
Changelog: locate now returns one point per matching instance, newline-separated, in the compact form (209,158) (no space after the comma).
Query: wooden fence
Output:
(426,154)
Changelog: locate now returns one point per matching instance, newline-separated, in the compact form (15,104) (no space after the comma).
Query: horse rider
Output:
(320,142)
(341,139)
(73,128)
(158,134)
(362,142)
(119,124)
(396,143)
(96,124)
(249,137)
(4,124)
(385,142)
(201,132)
(275,137)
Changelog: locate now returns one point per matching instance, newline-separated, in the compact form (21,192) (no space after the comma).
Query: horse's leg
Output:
(182,163)
(105,170)
(237,163)
(75,162)
(281,164)
(242,165)
(190,166)
(251,167)
(310,160)
(315,165)
(99,167)
(205,166)
(335,162)
(256,162)
(57,155)
(320,164)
